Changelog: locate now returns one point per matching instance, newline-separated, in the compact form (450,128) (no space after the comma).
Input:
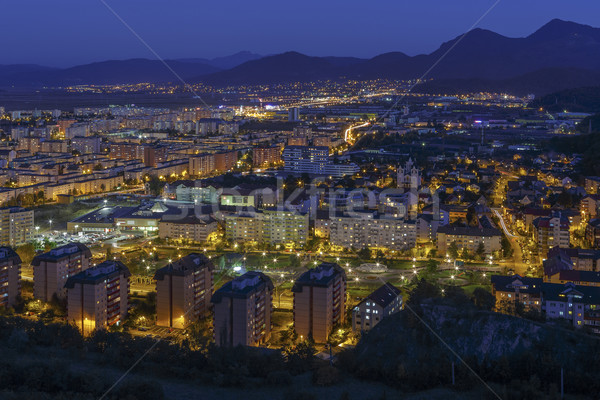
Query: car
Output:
(142,329)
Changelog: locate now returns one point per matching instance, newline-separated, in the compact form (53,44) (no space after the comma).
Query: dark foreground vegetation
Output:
(518,358)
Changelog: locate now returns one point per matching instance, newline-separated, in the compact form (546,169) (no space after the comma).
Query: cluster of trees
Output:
(194,359)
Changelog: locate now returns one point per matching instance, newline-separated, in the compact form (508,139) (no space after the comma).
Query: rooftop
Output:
(97,274)
(61,252)
(185,266)
(243,286)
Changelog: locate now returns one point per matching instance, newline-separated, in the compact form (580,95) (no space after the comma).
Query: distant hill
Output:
(581,99)
(22,74)
(540,82)
(106,72)
(225,62)
(557,56)
(286,67)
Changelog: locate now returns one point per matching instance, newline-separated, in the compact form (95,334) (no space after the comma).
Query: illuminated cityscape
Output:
(289,226)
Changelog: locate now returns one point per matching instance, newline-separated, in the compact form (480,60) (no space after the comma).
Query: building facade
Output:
(319,301)
(52,269)
(16,226)
(380,304)
(98,297)
(551,231)
(183,290)
(242,310)
(468,238)
(189,228)
(10,276)
(368,229)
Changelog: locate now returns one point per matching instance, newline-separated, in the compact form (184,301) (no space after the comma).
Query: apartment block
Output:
(190,228)
(551,231)
(99,296)
(314,160)
(183,290)
(16,226)
(242,310)
(225,161)
(52,269)
(469,238)
(201,165)
(265,156)
(368,229)
(273,226)
(10,276)
(319,301)
(285,227)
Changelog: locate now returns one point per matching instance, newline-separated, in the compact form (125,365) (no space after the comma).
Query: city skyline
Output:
(215,30)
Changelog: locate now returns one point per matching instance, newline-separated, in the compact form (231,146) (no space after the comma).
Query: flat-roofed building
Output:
(319,301)
(52,269)
(265,156)
(16,226)
(272,226)
(468,237)
(10,276)
(368,229)
(183,290)
(242,310)
(98,297)
(190,228)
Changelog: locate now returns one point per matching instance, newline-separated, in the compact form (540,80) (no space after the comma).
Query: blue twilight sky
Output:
(69,32)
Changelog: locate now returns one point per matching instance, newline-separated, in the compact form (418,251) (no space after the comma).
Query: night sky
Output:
(68,32)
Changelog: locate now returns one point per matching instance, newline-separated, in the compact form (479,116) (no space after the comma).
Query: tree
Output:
(364,253)
(507,249)
(565,199)
(483,299)
(480,252)
(472,218)
(26,252)
(155,185)
(465,254)
(453,250)
(423,290)
(431,266)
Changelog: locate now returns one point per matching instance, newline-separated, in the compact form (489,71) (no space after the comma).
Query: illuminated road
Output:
(519,266)
(504,228)
(348,131)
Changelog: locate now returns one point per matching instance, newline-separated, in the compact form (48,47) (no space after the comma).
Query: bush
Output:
(140,390)
(299,395)
(279,378)
(326,376)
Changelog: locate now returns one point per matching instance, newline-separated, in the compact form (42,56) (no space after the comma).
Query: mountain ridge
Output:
(480,55)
